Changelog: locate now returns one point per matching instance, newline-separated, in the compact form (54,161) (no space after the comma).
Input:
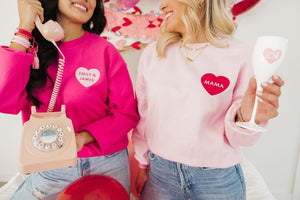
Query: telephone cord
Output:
(59,75)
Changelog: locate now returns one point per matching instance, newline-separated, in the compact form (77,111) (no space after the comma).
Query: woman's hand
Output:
(268,100)
(28,10)
(83,138)
(140,180)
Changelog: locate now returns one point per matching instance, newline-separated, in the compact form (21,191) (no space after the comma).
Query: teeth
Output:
(168,15)
(80,7)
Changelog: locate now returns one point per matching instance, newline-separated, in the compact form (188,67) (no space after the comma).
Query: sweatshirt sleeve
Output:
(236,135)
(109,131)
(139,140)
(15,72)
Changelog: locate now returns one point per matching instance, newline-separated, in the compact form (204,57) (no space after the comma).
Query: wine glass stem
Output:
(254,110)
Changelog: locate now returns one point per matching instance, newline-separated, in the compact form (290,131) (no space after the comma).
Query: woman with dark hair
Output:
(47,50)
(95,88)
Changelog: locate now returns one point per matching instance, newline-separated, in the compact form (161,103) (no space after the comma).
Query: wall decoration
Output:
(135,23)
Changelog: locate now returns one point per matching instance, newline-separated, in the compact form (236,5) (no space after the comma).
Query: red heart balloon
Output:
(242,7)
(94,187)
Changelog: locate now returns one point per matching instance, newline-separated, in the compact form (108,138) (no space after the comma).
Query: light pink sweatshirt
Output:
(96,90)
(188,109)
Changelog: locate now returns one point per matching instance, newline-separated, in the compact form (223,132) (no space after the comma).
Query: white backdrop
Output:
(275,155)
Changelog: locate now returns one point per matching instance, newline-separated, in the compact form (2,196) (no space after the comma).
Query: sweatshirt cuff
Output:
(236,135)
(15,57)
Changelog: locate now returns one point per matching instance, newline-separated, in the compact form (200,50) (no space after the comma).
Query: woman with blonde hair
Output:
(95,89)
(192,86)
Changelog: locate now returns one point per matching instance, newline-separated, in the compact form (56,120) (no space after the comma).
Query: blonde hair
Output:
(216,23)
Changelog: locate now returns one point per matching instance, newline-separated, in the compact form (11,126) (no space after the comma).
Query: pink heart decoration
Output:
(214,84)
(130,3)
(120,44)
(272,55)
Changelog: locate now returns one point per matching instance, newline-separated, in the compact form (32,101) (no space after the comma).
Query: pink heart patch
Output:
(272,55)
(214,84)
(87,77)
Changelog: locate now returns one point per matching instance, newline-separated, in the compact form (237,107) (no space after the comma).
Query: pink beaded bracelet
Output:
(21,41)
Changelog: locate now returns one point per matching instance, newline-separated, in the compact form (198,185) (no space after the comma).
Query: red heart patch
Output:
(214,84)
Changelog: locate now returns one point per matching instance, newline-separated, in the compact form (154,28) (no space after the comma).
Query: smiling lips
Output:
(168,15)
(80,6)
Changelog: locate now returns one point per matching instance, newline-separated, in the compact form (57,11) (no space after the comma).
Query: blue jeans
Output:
(47,185)
(169,180)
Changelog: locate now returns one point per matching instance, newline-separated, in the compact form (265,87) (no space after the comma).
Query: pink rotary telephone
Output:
(48,138)
(48,142)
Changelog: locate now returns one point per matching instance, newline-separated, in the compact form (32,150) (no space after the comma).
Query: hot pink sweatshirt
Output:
(96,89)
(188,109)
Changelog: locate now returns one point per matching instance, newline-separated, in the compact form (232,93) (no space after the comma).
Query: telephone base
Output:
(28,168)
(48,142)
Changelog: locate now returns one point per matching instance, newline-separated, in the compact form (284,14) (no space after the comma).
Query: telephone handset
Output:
(51,30)
(48,138)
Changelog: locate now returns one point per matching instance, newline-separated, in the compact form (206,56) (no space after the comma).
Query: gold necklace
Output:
(194,49)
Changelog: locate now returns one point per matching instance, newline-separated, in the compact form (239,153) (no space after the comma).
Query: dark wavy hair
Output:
(47,53)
